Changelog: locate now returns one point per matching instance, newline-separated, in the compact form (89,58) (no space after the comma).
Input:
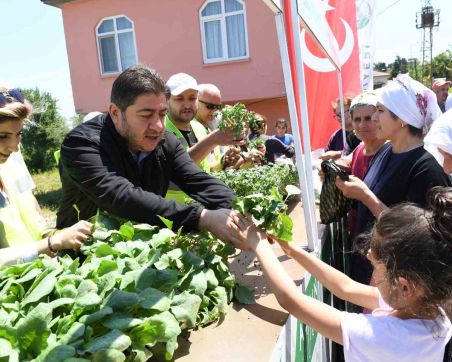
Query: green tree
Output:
(442,65)
(380,66)
(399,66)
(44,134)
(76,120)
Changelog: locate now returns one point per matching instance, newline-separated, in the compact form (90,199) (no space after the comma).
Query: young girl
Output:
(410,250)
(21,230)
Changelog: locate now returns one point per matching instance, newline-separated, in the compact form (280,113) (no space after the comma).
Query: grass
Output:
(48,193)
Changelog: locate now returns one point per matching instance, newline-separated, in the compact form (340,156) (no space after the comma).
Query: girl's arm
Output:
(338,283)
(317,315)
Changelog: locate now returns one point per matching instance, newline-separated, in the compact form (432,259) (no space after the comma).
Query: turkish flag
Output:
(321,78)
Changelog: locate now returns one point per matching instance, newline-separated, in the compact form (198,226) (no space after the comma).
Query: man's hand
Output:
(226,138)
(225,224)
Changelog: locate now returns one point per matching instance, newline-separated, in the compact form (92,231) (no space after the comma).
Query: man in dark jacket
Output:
(122,162)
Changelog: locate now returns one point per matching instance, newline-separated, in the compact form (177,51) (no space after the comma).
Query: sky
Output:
(33,47)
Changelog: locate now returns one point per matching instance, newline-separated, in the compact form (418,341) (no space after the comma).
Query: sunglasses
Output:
(14,93)
(211,106)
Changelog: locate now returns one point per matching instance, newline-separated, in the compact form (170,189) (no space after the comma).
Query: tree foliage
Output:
(399,66)
(442,67)
(44,134)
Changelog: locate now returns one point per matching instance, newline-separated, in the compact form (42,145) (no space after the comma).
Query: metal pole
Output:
(300,159)
(304,117)
(341,97)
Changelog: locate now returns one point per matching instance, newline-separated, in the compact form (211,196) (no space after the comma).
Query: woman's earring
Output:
(403,124)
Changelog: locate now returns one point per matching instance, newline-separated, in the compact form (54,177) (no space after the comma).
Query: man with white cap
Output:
(182,109)
(123,161)
(441,88)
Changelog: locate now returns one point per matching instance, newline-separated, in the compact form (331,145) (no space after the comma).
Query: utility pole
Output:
(426,20)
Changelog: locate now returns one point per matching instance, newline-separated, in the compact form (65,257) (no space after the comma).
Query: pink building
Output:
(230,43)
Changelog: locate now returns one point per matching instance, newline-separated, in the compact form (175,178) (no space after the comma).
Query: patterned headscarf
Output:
(410,100)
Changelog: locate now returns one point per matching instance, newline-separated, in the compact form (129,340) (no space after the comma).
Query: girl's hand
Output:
(288,248)
(251,235)
(72,237)
(352,189)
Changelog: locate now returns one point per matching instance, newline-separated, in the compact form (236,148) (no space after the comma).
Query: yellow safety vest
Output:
(19,218)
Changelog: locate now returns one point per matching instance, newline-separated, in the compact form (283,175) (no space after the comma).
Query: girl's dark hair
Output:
(416,244)
(281,121)
(418,132)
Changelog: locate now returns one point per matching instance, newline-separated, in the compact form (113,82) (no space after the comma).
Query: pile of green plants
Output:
(269,211)
(259,179)
(135,292)
(237,119)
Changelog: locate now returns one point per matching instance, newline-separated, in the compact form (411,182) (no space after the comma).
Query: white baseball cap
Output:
(180,82)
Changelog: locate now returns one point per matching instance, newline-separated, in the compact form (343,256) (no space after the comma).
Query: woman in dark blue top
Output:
(402,170)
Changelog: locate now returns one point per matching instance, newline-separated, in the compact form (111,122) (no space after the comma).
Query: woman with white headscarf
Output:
(439,141)
(402,170)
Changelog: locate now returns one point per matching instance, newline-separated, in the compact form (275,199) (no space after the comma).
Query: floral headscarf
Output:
(410,100)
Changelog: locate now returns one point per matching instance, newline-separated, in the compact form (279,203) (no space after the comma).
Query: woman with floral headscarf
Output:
(402,170)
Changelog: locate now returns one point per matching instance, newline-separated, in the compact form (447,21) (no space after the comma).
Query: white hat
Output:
(180,82)
(410,100)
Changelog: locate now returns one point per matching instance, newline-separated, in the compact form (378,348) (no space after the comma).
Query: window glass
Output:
(123,23)
(106,26)
(213,8)
(235,32)
(108,54)
(126,49)
(232,5)
(213,44)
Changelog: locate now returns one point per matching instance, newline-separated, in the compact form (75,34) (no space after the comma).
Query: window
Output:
(223,30)
(116,45)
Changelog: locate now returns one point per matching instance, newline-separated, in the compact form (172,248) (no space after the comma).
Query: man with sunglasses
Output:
(209,103)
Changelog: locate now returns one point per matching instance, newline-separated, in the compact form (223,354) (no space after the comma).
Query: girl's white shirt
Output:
(380,337)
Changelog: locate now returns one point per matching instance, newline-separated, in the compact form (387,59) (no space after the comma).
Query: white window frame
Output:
(115,32)
(222,18)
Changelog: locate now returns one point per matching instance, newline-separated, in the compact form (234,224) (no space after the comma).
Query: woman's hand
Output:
(354,188)
(331,155)
(72,237)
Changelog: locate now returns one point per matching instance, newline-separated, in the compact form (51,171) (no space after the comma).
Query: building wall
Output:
(168,39)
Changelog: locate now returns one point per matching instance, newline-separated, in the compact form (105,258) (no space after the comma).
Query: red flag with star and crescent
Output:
(321,79)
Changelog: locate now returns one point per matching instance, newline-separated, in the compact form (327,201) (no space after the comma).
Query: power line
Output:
(387,7)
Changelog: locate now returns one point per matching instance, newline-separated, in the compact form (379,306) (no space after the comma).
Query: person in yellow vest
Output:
(180,120)
(22,227)
(182,109)
(209,103)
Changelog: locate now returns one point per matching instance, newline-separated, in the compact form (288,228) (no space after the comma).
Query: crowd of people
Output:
(158,143)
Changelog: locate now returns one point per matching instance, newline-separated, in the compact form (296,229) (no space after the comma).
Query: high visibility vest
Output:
(174,192)
(20,222)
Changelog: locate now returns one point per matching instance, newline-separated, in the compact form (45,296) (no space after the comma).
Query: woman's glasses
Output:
(211,106)
(14,93)
(338,115)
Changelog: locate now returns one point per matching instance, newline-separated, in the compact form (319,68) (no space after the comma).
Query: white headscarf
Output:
(364,99)
(410,100)
(440,136)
